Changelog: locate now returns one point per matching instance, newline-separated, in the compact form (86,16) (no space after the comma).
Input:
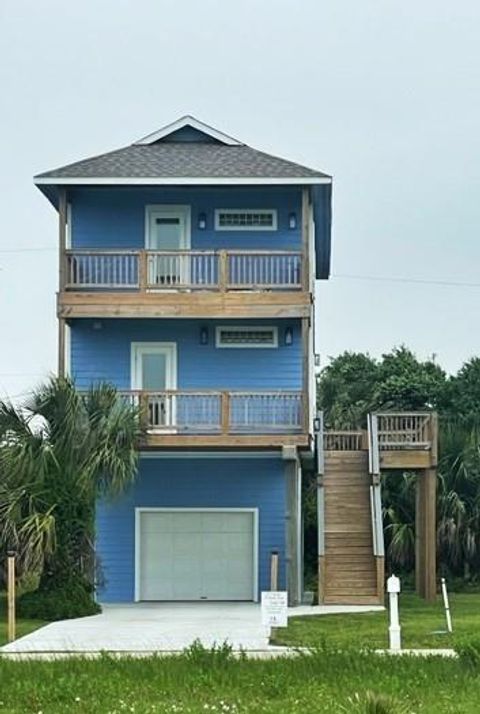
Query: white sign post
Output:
(274,609)
(448,617)
(393,589)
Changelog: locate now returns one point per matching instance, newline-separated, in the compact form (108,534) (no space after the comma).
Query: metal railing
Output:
(218,412)
(182,269)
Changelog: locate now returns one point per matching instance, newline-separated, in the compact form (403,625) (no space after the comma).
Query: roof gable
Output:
(188,129)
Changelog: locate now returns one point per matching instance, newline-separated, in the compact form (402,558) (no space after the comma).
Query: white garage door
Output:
(195,555)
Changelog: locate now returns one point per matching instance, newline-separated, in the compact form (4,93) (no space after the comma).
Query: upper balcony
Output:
(188,283)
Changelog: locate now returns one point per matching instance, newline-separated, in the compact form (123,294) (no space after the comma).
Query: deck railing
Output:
(343,440)
(404,431)
(182,269)
(219,412)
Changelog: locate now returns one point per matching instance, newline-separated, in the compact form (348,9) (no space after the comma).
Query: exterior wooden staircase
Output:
(350,568)
(350,523)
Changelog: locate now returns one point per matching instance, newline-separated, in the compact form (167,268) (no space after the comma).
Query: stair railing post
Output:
(320,471)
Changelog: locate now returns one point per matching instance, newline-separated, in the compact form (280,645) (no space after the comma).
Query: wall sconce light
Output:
(317,424)
(288,336)
(204,335)
(292,220)
(202,221)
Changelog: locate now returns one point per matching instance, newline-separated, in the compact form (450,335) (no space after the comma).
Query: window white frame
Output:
(169,349)
(246,345)
(142,509)
(248,211)
(163,209)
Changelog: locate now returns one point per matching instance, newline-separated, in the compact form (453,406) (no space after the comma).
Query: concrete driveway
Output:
(166,627)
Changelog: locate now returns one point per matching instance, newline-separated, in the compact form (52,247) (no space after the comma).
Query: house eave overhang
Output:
(183,181)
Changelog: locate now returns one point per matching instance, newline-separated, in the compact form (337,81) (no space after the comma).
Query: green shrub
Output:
(468,651)
(71,600)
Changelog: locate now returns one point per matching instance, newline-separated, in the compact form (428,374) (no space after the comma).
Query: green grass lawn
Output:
(199,683)
(418,620)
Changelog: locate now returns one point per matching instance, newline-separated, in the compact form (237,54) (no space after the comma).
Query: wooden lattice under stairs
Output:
(351,543)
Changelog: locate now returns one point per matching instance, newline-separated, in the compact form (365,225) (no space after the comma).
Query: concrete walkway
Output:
(162,627)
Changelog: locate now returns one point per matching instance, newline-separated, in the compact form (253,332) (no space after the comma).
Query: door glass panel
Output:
(154,371)
(166,233)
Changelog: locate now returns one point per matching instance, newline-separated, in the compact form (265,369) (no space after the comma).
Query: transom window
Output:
(245,219)
(241,337)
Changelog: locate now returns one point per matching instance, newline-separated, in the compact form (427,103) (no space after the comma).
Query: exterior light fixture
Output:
(202,221)
(288,336)
(317,424)
(204,335)
(292,220)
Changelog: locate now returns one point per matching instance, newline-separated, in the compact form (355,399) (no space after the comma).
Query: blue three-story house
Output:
(187,270)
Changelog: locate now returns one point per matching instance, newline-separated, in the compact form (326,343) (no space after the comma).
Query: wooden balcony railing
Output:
(150,270)
(343,440)
(219,412)
(404,431)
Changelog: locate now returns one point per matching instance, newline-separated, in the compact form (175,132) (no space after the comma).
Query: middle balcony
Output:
(183,283)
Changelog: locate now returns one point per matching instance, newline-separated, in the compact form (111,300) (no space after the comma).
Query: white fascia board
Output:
(195,124)
(182,181)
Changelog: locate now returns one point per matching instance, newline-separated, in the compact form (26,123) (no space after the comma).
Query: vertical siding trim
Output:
(253,511)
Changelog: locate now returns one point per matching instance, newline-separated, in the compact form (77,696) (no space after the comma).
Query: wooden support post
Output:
(11,595)
(322,572)
(293,526)
(425,535)
(274,570)
(305,375)
(61,346)
(306,239)
(62,241)
(225,412)
(143,270)
(223,270)
(380,563)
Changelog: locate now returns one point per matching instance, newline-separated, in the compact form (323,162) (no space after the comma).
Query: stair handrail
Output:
(320,472)
(375,488)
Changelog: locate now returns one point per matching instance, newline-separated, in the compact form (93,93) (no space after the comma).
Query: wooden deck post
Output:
(223,270)
(225,413)
(306,239)
(143,270)
(62,244)
(425,534)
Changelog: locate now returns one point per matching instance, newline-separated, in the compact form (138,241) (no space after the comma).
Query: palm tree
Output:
(59,453)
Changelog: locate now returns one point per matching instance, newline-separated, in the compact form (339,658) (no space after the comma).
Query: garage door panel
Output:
(194,555)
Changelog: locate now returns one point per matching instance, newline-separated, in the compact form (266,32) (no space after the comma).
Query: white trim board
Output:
(180,181)
(190,121)
(152,509)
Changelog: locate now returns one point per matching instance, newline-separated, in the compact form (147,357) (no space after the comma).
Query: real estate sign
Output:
(274,608)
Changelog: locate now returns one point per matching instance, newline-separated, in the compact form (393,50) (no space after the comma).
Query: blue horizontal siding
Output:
(115,218)
(191,483)
(105,354)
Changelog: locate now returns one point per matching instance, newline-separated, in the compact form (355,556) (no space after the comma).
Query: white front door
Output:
(154,370)
(196,554)
(168,229)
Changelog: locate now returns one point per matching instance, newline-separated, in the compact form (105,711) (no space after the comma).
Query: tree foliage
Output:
(59,452)
(354,384)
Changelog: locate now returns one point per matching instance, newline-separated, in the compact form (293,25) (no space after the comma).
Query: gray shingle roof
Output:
(183,160)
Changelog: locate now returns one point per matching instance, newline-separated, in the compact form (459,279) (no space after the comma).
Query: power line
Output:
(394,279)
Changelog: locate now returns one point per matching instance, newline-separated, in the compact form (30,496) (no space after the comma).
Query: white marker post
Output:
(393,589)
(448,617)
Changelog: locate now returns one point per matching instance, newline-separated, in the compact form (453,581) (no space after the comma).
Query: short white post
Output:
(448,617)
(393,589)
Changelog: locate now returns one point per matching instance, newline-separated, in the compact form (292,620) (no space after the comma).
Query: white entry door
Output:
(196,554)
(168,229)
(154,370)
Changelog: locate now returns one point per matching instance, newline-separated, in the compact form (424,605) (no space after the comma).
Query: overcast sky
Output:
(383,94)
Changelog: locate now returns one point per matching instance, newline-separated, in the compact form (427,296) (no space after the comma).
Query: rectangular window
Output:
(245,219)
(244,337)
